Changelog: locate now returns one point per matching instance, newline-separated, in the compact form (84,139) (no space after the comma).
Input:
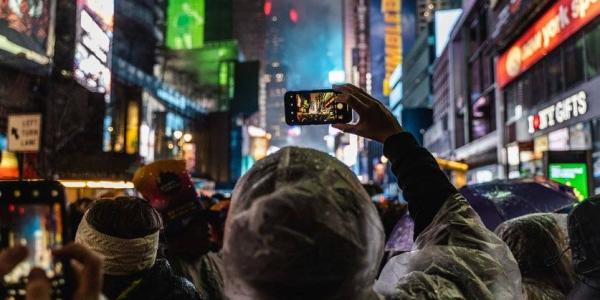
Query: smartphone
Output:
(32,214)
(315,108)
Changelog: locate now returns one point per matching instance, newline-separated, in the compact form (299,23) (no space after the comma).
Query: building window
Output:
(510,98)
(553,71)
(537,93)
(475,79)
(592,51)
(484,116)
(573,61)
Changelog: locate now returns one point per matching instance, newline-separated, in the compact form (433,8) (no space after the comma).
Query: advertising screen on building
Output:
(185,28)
(94,44)
(376,36)
(563,19)
(444,22)
(574,175)
(26,29)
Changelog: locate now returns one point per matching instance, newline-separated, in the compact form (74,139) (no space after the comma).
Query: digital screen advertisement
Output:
(26,28)
(185,28)
(94,43)
(574,175)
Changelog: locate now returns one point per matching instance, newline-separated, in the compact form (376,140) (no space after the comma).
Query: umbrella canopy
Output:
(502,200)
(401,238)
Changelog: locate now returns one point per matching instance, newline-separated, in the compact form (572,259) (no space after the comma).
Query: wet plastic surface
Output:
(537,242)
(456,257)
(301,226)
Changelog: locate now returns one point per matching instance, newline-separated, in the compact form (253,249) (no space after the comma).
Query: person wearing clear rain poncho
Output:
(300,226)
(539,243)
(584,242)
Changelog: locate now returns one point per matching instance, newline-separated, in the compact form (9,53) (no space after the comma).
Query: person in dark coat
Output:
(157,283)
(584,237)
(168,187)
(124,232)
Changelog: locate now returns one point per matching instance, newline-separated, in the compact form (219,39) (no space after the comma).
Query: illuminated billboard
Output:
(562,20)
(26,29)
(94,43)
(574,175)
(444,23)
(392,17)
(185,24)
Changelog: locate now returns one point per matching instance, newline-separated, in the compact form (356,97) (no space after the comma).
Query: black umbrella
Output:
(502,200)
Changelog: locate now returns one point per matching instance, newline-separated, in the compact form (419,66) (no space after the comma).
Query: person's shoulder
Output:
(176,287)
(182,288)
(457,224)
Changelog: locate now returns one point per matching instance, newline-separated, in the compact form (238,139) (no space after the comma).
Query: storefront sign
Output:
(559,112)
(561,21)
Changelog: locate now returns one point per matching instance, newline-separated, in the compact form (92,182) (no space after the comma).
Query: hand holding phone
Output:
(32,215)
(38,285)
(376,122)
(315,108)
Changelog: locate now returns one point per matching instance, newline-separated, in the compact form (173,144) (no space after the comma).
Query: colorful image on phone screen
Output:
(315,107)
(38,227)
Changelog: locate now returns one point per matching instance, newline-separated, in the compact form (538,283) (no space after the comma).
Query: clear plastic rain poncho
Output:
(456,257)
(300,226)
(537,242)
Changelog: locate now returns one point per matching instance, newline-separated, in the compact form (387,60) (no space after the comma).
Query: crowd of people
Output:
(299,225)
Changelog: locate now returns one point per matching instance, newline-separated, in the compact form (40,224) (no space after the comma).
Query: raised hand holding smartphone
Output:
(375,122)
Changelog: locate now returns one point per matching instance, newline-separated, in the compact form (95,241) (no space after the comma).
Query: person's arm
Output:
(424,185)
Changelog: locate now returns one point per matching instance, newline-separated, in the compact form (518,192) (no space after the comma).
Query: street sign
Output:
(24,131)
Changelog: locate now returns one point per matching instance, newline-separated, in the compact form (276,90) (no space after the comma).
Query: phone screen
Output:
(39,228)
(315,107)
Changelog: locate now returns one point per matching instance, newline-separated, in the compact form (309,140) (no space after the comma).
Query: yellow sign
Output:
(393,39)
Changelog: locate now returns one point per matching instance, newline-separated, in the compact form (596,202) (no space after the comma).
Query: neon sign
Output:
(560,22)
(561,111)
(393,39)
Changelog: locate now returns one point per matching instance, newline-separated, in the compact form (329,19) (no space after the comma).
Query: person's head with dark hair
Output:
(584,240)
(584,222)
(537,242)
(124,217)
(124,231)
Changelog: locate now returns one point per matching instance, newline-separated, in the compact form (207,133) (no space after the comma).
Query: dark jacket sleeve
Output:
(423,183)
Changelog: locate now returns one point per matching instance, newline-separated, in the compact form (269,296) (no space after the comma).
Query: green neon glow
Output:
(185,24)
